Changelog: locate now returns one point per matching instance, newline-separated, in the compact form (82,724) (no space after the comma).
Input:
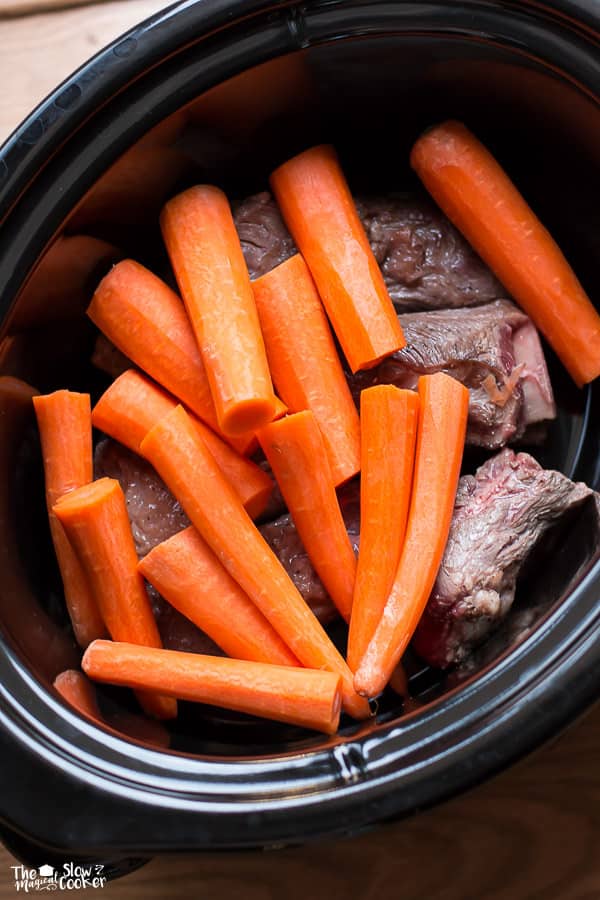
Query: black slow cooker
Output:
(223,90)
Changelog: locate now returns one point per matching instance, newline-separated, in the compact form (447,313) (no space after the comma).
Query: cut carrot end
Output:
(95,491)
(248,416)
(319,210)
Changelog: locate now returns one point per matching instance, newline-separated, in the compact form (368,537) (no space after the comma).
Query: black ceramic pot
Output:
(224,90)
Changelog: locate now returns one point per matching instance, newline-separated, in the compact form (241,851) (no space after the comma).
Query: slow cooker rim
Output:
(582,658)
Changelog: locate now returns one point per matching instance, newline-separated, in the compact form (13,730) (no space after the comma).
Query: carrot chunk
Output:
(318,208)
(65,426)
(444,404)
(207,258)
(147,322)
(388,418)
(305,697)
(190,577)
(295,449)
(96,522)
(479,198)
(304,361)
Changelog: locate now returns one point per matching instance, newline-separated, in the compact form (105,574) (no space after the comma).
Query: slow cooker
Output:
(222,91)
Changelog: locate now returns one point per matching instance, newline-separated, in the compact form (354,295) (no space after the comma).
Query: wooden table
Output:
(533,832)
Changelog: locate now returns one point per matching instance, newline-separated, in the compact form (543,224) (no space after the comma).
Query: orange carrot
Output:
(79,692)
(65,425)
(190,577)
(441,431)
(96,522)
(147,322)
(185,465)
(295,449)
(479,198)
(132,405)
(318,208)
(23,617)
(388,419)
(304,697)
(304,362)
(208,262)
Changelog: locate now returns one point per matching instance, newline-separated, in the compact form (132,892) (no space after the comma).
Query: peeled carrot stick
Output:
(65,425)
(132,405)
(185,465)
(295,449)
(388,419)
(23,617)
(79,692)
(186,572)
(304,697)
(304,362)
(208,262)
(480,199)
(441,432)
(318,208)
(147,322)
(96,522)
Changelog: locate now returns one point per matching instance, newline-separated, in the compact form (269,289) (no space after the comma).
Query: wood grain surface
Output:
(40,51)
(13,8)
(532,833)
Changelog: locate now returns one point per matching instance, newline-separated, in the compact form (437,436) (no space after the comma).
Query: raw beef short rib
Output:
(500,514)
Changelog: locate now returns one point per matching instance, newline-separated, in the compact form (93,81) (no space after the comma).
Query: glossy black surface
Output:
(369,77)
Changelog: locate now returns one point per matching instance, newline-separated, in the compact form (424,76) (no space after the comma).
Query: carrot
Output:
(186,572)
(304,362)
(209,265)
(96,522)
(132,405)
(479,198)
(185,465)
(388,419)
(304,697)
(79,692)
(318,208)
(441,431)
(295,449)
(65,426)
(147,322)
(23,617)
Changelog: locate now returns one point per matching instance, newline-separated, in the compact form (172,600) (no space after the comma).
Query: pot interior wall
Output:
(371,97)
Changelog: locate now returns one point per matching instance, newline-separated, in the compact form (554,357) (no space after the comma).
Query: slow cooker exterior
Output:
(100,800)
